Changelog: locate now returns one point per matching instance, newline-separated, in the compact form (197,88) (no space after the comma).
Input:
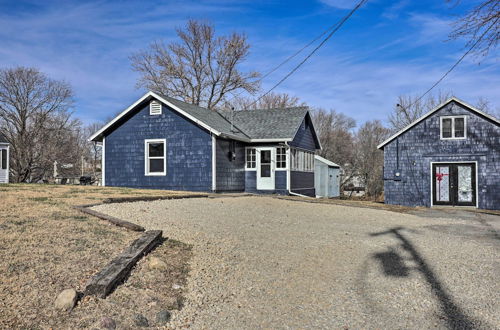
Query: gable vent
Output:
(155,108)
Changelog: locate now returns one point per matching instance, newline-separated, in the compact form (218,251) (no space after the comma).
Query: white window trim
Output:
(248,168)
(286,159)
(151,108)
(147,158)
(452,127)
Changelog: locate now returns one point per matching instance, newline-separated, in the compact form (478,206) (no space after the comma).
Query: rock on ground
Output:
(66,300)
(156,263)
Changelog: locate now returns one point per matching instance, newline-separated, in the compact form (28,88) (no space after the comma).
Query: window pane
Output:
(156,165)
(459,127)
(265,156)
(265,170)
(446,128)
(3,157)
(155,149)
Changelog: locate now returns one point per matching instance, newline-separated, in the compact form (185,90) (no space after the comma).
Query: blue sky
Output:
(386,49)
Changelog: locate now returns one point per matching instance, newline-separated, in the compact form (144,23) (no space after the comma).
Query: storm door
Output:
(265,168)
(454,184)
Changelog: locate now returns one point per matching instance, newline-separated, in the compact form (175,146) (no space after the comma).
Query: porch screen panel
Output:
(442,183)
(464,183)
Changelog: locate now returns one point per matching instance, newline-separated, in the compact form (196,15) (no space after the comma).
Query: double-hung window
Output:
(453,127)
(251,159)
(3,159)
(281,158)
(155,156)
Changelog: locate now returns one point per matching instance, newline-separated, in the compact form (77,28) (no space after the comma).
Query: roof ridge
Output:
(305,107)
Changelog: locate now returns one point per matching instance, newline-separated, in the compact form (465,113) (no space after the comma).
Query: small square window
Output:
(453,127)
(281,157)
(250,158)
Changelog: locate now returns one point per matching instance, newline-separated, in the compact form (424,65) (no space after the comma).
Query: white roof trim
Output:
(434,110)
(271,140)
(326,161)
(145,96)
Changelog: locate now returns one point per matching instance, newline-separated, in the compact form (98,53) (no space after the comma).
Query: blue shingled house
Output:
(163,143)
(449,156)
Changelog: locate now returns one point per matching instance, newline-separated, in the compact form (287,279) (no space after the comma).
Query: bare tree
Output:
(91,150)
(35,119)
(481,25)
(369,159)
(269,101)
(200,69)
(335,132)
(409,108)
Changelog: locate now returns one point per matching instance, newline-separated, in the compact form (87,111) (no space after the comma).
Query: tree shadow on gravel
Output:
(393,265)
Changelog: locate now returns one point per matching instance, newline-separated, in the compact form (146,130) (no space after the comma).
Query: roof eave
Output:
(98,135)
(383,144)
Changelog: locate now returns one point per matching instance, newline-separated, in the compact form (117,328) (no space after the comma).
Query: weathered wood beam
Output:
(113,220)
(119,268)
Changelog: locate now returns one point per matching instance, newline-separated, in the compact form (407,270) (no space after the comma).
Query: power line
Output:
(454,65)
(271,71)
(338,26)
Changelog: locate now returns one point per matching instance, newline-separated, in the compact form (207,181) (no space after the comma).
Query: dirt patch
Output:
(47,246)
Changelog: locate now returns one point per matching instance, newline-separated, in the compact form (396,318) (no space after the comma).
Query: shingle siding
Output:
(422,145)
(189,152)
(305,136)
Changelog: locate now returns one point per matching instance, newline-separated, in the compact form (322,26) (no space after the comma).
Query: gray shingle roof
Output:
(212,118)
(270,124)
(249,124)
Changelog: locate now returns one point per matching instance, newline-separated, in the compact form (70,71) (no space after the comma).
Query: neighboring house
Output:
(163,143)
(449,156)
(4,160)
(326,177)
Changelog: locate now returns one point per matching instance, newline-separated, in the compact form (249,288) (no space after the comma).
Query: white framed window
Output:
(154,108)
(155,156)
(453,127)
(250,159)
(3,159)
(302,161)
(281,158)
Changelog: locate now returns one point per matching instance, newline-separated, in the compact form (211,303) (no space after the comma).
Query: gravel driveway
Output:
(263,262)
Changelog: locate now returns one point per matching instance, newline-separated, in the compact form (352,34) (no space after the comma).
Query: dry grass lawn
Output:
(47,246)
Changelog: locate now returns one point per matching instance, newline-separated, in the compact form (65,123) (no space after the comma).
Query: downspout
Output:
(289,183)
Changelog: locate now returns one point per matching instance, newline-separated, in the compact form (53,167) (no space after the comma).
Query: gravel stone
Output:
(263,262)
(108,323)
(163,317)
(140,321)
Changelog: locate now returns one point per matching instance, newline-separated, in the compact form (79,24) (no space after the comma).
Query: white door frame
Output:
(267,183)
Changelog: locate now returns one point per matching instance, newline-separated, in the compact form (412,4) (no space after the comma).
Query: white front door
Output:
(265,168)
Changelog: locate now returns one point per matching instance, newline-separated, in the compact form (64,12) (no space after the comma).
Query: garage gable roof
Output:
(439,107)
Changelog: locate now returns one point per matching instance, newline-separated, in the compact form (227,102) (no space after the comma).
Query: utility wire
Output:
(454,65)
(337,27)
(289,58)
